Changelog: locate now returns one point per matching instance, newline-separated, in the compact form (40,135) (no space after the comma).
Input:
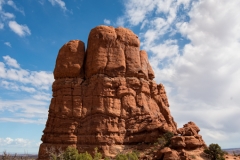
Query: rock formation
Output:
(106,97)
(188,137)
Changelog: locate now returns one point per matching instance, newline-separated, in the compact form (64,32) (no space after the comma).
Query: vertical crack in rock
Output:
(105,96)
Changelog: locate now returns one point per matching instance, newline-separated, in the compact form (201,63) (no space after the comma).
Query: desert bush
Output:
(70,153)
(97,155)
(162,142)
(165,139)
(55,154)
(136,152)
(168,137)
(84,156)
(214,152)
(7,156)
(128,156)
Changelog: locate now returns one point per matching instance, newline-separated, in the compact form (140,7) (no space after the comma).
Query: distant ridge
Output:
(231,150)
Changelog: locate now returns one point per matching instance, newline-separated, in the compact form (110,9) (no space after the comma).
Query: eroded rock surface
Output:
(106,97)
(188,138)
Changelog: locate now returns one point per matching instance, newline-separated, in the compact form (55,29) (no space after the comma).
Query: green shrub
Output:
(165,139)
(128,156)
(121,157)
(84,156)
(162,142)
(168,137)
(136,152)
(214,152)
(132,156)
(97,155)
(70,153)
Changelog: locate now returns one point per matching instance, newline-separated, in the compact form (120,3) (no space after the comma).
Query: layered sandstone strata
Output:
(105,96)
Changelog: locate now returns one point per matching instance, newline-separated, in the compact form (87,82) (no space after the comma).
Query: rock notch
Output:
(105,96)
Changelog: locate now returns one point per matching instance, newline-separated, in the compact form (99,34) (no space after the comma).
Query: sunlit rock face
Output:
(105,96)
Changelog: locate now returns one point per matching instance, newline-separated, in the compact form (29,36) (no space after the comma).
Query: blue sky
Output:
(193,47)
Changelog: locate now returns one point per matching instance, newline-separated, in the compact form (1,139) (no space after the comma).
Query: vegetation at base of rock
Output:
(71,153)
(7,156)
(165,139)
(214,152)
(127,156)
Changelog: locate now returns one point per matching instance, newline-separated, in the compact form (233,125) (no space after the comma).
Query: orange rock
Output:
(70,59)
(105,97)
(167,154)
(188,138)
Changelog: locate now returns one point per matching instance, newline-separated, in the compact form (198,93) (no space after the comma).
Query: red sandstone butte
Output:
(106,97)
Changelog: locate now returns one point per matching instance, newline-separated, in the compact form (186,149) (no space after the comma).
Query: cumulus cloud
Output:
(60,3)
(8,18)
(194,49)
(1,3)
(107,22)
(7,15)
(25,110)
(1,25)
(31,105)
(21,30)
(42,96)
(12,4)
(11,145)
(38,79)
(11,62)
(24,120)
(14,142)
(8,44)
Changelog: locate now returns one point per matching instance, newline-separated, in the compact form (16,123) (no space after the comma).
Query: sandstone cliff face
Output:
(105,96)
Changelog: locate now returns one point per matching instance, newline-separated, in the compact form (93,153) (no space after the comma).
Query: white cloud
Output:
(42,96)
(6,16)
(27,89)
(12,145)
(29,101)
(21,30)
(10,61)
(9,85)
(20,142)
(107,22)
(120,21)
(12,4)
(8,44)
(24,120)
(41,2)
(60,3)
(201,77)
(37,79)
(16,87)
(1,25)
(25,110)
(1,3)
